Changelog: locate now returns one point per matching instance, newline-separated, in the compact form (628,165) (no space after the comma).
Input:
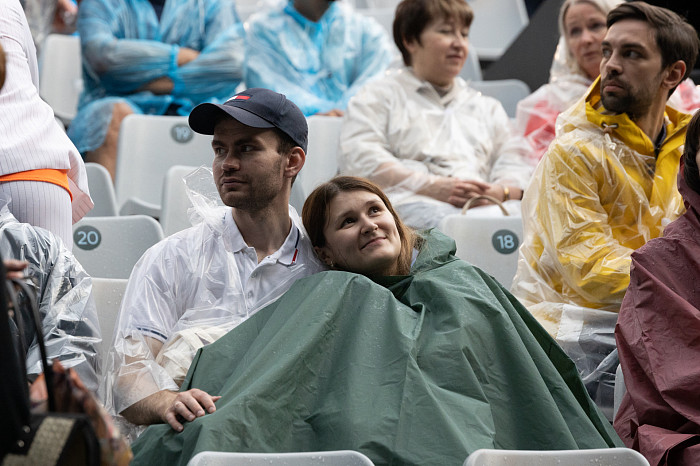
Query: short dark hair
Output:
(285,144)
(676,39)
(412,16)
(690,152)
(316,208)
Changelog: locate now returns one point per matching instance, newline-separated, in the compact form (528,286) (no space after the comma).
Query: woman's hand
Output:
(454,190)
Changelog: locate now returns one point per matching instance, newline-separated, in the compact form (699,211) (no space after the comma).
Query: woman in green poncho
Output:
(420,360)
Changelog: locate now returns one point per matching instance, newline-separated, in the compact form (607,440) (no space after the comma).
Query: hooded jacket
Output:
(601,191)
(656,337)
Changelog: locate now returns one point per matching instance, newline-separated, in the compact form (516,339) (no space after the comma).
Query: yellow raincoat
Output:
(601,191)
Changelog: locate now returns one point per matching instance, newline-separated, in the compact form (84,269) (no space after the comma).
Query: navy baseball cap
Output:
(255,107)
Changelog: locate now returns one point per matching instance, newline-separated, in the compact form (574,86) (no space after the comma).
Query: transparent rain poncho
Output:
(402,135)
(184,293)
(598,194)
(125,47)
(317,65)
(63,289)
(537,113)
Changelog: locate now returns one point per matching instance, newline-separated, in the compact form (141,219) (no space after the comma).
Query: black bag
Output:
(49,438)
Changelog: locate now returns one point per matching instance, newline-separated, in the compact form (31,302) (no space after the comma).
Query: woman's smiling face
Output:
(361,235)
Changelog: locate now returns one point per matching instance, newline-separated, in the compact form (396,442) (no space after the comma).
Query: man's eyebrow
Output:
(625,45)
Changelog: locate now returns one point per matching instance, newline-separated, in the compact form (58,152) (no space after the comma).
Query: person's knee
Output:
(120,111)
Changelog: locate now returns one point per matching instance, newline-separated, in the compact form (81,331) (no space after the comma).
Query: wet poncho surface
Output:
(422,370)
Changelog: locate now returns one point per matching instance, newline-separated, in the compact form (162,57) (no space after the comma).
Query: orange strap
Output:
(47,175)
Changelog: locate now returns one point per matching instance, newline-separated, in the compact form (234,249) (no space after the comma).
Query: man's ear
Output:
(324,253)
(295,161)
(674,74)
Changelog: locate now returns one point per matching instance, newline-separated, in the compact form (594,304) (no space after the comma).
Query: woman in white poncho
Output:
(421,133)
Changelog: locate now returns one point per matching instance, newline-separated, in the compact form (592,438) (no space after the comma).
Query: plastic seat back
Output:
(175,201)
(599,457)
(619,391)
(322,153)
(319,458)
(108,247)
(471,71)
(490,243)
(107,293)
(148,146)
(508,91)
(496,25)
(60,75)
(101,191)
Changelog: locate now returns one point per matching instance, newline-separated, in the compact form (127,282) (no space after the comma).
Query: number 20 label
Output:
(87,237)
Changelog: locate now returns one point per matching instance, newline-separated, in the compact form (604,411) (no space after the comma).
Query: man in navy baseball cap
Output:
(259,247)
(257,108)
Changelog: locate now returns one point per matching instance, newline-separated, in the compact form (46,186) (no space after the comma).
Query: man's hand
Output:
(188,406)
(171,407)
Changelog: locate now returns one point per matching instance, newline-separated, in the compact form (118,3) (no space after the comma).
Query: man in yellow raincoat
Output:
(606,186)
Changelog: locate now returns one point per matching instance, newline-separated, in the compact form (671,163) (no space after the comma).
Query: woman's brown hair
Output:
(2,66)
(412,16)
(316,211)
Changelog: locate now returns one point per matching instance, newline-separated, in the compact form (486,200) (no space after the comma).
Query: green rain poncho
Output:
(424,369)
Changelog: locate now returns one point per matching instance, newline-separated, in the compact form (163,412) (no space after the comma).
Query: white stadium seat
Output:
(108,247)
(107,293)
(508,91)
(316,458)
(101,191)
(598,457)
(148,146)
(488,239)
(60,75)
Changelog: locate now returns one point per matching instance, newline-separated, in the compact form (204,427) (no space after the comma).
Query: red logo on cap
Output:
(241,97)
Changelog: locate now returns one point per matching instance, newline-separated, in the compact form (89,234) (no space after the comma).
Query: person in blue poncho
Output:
(402,352)
(316,52)
(151,56)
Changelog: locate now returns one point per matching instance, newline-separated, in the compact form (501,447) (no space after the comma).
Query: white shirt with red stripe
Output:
(200,282)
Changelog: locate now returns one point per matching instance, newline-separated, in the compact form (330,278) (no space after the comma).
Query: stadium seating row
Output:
(609,456)
(156,152)
(61,57)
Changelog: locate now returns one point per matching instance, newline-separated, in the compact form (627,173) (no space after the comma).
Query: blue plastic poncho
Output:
(125,47)
(317,65)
